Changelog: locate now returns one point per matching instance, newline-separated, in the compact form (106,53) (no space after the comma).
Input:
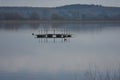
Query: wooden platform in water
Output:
(53,35)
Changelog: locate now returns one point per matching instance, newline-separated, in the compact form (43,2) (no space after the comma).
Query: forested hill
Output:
(68,12)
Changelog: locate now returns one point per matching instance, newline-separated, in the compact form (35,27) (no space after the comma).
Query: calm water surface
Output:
(24,57)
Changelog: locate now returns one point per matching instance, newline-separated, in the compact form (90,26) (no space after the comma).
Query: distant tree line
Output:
(54,16)
(17,16)
(72,12)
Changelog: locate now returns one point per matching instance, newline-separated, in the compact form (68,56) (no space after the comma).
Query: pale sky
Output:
(53,3)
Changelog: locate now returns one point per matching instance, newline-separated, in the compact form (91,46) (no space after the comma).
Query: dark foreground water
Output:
(93,47)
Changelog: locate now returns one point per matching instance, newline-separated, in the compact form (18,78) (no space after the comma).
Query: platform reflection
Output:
(45,35)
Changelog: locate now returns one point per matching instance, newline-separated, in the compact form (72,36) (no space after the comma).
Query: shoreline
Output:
(59,21)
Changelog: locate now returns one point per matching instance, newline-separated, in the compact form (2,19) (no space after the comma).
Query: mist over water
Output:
(22,56)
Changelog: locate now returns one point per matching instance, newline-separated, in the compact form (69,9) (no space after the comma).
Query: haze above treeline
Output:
(67,12)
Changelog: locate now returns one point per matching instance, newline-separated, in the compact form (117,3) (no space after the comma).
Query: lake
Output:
(92,47)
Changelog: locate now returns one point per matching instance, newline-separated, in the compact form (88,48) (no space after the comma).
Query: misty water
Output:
(24,57)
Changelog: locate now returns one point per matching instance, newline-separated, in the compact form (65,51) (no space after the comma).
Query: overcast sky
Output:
(53,3)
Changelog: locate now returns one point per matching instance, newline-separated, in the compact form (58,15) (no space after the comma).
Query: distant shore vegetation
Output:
(68,12)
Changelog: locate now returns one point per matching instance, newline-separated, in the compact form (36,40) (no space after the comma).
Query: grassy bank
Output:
(98,75)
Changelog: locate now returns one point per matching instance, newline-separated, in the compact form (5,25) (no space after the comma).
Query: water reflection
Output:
(21,57)
(72,26)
